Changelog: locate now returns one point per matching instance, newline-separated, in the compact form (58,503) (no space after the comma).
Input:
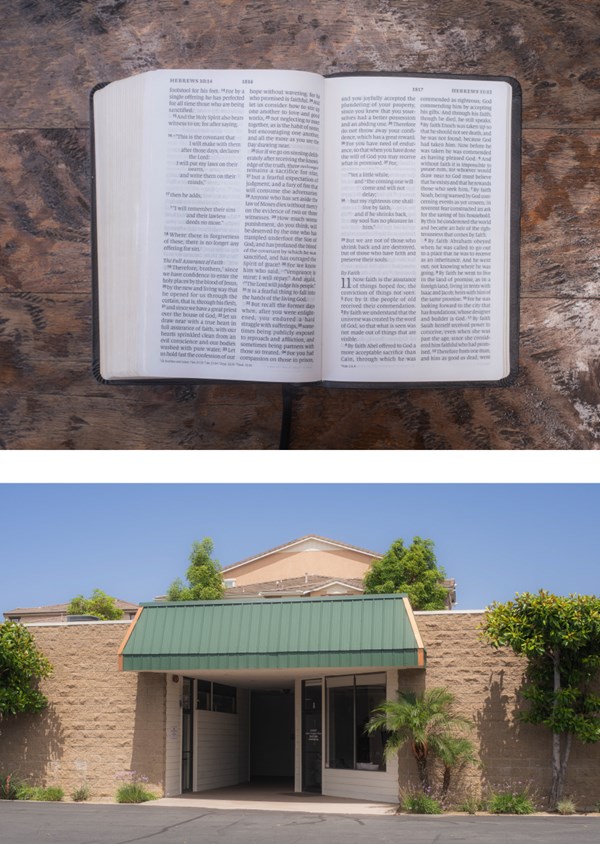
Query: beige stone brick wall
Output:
(486,684)
(100,721)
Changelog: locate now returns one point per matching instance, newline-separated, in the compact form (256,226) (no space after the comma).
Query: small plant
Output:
(9,787)
(133,789)
(470,804)
(14,789)
(511,803)
(419,803)
(51,793)
(134,792)
(566,807)
(82,793)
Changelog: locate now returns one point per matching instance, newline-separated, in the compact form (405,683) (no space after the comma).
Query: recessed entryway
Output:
(269,795)
(272,734)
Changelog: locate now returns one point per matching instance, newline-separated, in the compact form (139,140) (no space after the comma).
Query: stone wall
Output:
(486,684)
(99,721)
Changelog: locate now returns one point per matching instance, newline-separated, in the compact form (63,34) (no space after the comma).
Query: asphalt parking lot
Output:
(30,823)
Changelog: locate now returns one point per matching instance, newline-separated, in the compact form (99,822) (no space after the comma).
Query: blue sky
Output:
(132,540)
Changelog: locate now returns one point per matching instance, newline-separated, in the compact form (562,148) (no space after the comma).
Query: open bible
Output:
(267,225)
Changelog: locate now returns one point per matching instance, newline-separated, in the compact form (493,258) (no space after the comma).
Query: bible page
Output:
(117,139)
(232,248)
(416,229)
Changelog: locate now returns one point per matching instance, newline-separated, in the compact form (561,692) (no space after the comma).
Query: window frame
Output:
(211,690)
(357,681)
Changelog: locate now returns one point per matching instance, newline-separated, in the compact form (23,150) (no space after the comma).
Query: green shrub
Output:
(511,803)
(470,804)
(53,793)
(9,787)
(50,794)
(420,804)
(134,792)
(15,789)
(566,807)
(133,789)
(82,793)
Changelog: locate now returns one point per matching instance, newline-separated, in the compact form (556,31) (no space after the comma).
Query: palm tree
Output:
(454,753)
(426,720)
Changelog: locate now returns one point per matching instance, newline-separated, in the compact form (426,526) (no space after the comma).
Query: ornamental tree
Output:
(99,604)
(431,726)
(21,666)
(560,638)
(203,575)
(413,570)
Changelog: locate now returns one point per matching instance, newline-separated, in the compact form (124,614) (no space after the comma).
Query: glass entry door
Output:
(312,735)
(187,735)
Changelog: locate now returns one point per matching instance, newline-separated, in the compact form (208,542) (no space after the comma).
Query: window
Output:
(216,697)
(224,698)
(350,703)
(203,695)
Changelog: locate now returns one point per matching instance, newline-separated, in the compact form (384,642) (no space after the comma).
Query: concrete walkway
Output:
(274,797)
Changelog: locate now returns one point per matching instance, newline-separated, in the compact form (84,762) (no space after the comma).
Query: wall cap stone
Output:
(75,623)
(449,612)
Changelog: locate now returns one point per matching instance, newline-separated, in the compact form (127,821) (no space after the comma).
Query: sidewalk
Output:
(273,798)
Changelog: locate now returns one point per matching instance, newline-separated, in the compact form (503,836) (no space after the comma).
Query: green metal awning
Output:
(327,632)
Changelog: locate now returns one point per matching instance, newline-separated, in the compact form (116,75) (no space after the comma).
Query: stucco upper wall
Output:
(335,563)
